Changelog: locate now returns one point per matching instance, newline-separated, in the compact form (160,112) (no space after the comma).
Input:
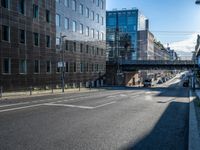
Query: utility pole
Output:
(62,68)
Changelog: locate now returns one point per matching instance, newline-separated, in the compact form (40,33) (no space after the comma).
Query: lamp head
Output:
(197,2)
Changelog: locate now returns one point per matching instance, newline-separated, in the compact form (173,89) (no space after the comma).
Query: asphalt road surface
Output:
(121,118)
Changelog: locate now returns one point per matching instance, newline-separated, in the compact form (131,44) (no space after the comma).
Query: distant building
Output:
(122,33)
(197,50)
(145,45)
(172,53)
(160,52)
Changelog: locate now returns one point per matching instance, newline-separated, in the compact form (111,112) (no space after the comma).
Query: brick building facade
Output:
(30,46)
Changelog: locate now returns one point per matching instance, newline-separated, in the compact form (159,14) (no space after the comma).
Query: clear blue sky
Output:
(165,15)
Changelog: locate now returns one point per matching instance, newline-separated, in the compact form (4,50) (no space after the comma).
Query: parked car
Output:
(147,83)
(160,81)
(186,83)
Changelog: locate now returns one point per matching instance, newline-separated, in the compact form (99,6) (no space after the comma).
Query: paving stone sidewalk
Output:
(197,108)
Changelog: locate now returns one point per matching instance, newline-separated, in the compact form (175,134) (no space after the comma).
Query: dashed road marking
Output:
(67,105)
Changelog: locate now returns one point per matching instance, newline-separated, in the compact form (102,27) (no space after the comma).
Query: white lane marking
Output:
(8,105)
(148,92)
(14,104)
(111,96)
(18,108)
(66,105)
(123,95)
(105,104)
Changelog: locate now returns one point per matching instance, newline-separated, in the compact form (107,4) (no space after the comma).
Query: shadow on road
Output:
(169,133)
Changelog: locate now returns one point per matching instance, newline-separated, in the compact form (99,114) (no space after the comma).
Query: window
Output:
(97,2)
(74,46)
(96,67)
(21,6)
(87,67)
(102,21)
(22,36)
(47,16)
(81,47)
(101,52)
(58,68)
(57,20)
(87,49)
(74,67)
(101,4)
(92,15)
(57,43)
(48,66)
(48,41)
(35,11)
(36,66)
(97,18)
(74,5)
(102,36)
(87,12)
(92,32)
(87,31)
(58,1)
(98,35)
(97,51)
(74,26)
(5,33)
(93,50)
(81,28)
(66,23)
(36,39)
(6,66)
(66,67)
(81,9)
(67,3)
(81,67)
(4,3)
(22,66)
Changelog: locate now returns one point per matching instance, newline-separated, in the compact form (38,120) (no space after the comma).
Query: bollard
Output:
(1,91)
(90,85)
(52,89)
(79,86)
(30,90)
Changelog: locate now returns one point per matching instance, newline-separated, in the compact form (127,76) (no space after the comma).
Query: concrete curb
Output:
(194,138)
(10,97)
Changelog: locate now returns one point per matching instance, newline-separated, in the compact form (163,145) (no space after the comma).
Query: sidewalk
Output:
(36,93)
(194,121)
(197,108)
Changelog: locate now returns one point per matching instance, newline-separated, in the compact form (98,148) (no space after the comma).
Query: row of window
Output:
(22,9)
(99,3)
(88,31)
(68,67)
(36,39)
(81,48)
(66,20)
(22,36)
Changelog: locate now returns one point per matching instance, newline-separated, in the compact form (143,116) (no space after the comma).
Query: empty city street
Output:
(114,118)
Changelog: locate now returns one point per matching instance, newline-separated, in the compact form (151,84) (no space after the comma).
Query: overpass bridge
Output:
(133,65)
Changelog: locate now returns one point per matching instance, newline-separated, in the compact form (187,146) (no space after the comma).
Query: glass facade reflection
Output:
(82,30)
(122,27)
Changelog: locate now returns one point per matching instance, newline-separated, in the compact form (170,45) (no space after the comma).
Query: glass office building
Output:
(80,37)
(122,27)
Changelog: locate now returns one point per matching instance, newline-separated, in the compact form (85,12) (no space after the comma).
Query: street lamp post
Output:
(62,68)
(197,2)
